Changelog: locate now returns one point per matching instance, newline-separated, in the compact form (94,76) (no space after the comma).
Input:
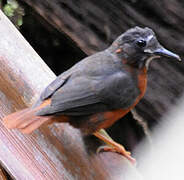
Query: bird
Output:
(98,90)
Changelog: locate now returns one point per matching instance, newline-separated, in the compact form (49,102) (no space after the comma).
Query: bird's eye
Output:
(141,43)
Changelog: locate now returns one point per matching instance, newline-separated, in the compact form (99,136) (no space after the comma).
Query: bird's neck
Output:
(140,77)
(136,61)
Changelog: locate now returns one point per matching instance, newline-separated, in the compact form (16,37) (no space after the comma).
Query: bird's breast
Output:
(139,77)
(106,119)
(142,84)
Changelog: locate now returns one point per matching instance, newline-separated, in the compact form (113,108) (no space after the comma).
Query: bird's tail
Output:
(27,121)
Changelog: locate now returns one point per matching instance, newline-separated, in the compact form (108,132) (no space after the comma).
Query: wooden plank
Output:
(55,152)
(2,174)
(94,24)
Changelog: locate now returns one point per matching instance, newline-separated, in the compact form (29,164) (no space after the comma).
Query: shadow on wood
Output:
(2,174)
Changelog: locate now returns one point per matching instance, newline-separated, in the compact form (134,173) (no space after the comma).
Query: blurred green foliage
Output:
(14,11)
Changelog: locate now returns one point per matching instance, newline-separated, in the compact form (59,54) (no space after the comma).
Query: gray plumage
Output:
(103,82)
(97,83)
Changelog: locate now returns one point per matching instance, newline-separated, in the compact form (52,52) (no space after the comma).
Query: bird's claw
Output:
(121,150)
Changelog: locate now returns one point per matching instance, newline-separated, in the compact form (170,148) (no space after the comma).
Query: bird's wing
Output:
(52,87)
(83,96)
(75,93)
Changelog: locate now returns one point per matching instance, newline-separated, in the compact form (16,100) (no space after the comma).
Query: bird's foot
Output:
(112,145)
(118,149)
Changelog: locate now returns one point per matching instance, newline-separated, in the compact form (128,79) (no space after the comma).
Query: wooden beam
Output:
(2,174)
(55,152)
(94,24)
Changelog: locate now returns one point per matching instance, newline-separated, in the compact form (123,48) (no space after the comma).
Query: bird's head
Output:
(138,46)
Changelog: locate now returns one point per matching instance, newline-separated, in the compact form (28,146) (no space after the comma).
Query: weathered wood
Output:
(94,24)
(55,152)
(2,174)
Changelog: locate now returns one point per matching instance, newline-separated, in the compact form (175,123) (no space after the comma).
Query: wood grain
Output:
(2,174)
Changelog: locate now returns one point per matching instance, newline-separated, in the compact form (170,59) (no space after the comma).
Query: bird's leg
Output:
(112,145)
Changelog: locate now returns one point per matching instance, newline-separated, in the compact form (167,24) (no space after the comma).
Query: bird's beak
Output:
(166,53)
